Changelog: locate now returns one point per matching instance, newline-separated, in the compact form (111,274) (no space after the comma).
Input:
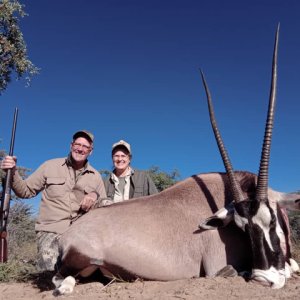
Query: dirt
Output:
(198,288)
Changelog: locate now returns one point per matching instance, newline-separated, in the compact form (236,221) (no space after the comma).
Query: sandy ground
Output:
(199,288)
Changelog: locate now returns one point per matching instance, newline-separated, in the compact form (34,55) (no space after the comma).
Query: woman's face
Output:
(121,159)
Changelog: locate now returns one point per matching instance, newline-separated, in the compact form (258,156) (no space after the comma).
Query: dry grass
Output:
(296,251)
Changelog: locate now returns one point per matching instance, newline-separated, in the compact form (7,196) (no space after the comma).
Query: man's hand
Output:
(88,201)
(9,162)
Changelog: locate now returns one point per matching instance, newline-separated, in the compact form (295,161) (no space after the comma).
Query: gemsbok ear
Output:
(219,219)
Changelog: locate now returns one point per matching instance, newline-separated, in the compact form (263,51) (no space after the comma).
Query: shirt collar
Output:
(129,173)
(86,167)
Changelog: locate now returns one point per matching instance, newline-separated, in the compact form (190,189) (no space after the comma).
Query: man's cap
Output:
(85,134)
(121,143)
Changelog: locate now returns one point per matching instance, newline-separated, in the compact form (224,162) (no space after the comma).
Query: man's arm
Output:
(24,188)
(95,198)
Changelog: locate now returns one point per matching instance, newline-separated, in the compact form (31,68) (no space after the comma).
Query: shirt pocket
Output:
(55,187)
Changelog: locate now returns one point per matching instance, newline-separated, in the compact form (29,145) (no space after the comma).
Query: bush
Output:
(21,244)
(16,270)
(21,233)
(161,179)
(294,218)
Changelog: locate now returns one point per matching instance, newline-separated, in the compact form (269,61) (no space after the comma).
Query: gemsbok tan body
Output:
(167,236)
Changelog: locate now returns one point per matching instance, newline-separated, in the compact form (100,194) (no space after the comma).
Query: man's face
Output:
(81,148)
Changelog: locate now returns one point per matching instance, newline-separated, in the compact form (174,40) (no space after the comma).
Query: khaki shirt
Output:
(59,186)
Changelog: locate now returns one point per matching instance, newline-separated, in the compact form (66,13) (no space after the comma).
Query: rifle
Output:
(5,197)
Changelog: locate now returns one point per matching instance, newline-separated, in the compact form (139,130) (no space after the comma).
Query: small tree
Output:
(104,173)
(294,217)
(21,232)
(163,180)
(20,225)
(13,51)
(21,236)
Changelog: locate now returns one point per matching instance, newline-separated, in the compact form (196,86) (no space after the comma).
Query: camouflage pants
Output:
(48,254)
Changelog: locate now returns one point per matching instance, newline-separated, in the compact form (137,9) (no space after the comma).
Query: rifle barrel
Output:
(6,196)
(13,133)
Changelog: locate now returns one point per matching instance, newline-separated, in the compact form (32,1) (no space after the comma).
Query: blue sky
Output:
(129,70)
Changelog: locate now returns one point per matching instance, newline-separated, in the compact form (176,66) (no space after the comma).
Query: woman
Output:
(125,182)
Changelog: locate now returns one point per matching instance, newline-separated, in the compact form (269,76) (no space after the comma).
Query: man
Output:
(125,182)
(70,186)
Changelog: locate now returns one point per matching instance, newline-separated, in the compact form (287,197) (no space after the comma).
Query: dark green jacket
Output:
(140,185)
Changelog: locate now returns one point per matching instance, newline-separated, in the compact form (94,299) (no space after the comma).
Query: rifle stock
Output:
(6,196)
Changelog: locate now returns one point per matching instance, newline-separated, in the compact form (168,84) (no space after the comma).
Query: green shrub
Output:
(21,244)
(16,270)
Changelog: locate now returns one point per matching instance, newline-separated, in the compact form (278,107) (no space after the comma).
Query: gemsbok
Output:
(158,237)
